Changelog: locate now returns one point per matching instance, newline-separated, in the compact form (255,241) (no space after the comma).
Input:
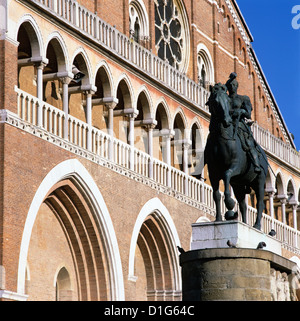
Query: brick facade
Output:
(64,248)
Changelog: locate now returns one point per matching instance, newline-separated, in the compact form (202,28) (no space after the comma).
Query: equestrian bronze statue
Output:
(231,153)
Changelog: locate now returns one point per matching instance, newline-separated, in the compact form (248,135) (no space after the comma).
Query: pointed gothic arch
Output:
(206,73)
(155,238)
(65,188)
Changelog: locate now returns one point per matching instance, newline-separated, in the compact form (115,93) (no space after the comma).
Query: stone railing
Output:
(107,36)
(276,146)
(194,191)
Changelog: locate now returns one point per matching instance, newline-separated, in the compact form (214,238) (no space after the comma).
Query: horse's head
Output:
(218,103)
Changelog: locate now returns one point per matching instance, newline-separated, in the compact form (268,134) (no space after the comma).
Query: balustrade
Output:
(276,146)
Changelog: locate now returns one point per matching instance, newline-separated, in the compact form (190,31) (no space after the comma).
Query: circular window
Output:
(171,33)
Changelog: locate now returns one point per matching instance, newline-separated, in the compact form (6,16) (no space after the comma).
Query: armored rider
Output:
(241,109)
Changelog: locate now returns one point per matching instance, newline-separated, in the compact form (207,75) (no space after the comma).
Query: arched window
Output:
(139,22)
(63,289)
(171,33)
(205,67)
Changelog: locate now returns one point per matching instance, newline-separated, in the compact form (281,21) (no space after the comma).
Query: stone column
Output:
(89,91)
(283,201)
(110,103)
(149,128)
(39,90)
(66,81)
(186,146)
(271,194)
(294,208)
(283,206)
(40,65)
(167,135)
(131,117)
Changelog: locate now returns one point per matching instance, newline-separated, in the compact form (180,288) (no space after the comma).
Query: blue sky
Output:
(277,47)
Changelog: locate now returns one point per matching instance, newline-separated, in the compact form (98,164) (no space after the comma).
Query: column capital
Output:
(271,193)
(149,123)
(149,126)
(294,204)
(186,143)
(131,112)
(65,80)
(271,190)
(110,102)
(282,198)
(167,133)
(89,89)
(39,62)
(65,77)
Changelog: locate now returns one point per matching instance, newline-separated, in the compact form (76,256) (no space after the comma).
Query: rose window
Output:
(170,34)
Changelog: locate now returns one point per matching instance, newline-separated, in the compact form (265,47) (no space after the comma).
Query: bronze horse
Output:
(228,160)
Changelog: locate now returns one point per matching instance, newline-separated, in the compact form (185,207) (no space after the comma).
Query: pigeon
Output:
(261,245)
(181,250)
(272,233)
(230,244)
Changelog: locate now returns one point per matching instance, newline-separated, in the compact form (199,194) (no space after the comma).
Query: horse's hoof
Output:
(257,226)
(231,215)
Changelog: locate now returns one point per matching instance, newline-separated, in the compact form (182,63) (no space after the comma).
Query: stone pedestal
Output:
(214,271)
(217,234)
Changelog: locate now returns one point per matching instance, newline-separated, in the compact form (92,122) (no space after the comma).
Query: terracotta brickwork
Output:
(8,56)
(78,224)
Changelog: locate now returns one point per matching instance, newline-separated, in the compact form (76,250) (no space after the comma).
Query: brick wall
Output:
(8,75)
